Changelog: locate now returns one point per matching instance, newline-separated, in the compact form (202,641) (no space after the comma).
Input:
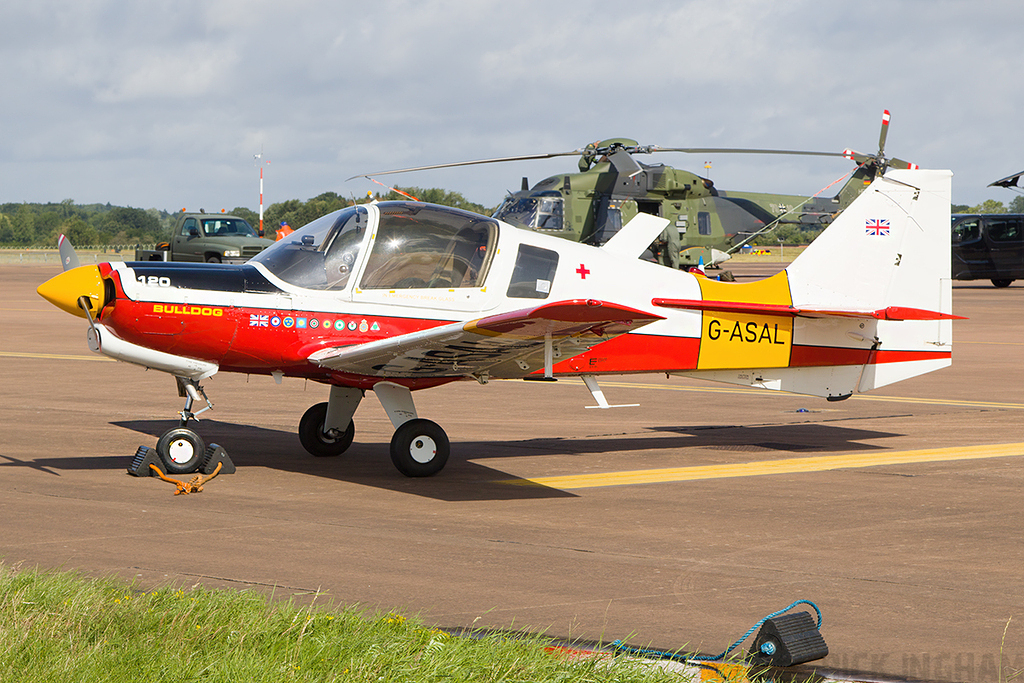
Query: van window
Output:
(967,230)
(1006,229)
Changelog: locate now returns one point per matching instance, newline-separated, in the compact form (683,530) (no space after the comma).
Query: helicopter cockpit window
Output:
(419,246)
(322,254)
(536,213)
(533,273)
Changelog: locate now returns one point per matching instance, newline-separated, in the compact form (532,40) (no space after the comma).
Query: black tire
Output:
(419,448)
(181,450)
(1002,282)
(315,441)
(213,258)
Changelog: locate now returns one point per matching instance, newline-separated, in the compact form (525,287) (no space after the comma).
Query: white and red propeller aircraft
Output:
(395,297)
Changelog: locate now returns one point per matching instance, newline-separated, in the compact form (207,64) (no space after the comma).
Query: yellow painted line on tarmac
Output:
(53,356)
(33,310)
(992,342)
(766,467)
(766,393)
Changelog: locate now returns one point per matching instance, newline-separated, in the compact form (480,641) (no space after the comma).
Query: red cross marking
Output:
(583,271)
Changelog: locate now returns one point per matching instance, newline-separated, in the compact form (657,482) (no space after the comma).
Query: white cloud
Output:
(164,99)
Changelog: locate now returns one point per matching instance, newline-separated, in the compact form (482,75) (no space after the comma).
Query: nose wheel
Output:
(180,450)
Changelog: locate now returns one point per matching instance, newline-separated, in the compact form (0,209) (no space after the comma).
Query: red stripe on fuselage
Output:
(655,353)
(635,353)
(818,356)
(250,340)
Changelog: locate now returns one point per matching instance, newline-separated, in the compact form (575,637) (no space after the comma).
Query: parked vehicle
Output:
(208,237)
(988,247)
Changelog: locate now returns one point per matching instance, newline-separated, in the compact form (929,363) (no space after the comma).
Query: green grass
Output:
(60,626)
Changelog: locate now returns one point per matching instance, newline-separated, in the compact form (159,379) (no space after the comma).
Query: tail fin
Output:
(891,247)
(889,251)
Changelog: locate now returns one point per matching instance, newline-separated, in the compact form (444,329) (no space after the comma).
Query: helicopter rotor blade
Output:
(900,163)
(884,133)
(496,160)
(734,150)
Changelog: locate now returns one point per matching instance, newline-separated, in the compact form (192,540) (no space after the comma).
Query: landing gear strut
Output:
(180,449)
(419,448)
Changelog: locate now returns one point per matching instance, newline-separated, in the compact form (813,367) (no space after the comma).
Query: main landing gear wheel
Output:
(419,448)
(180,450)
(319,443)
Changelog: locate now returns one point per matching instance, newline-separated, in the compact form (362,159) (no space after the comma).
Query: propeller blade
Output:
(496,160)
(884,133)
(68,257)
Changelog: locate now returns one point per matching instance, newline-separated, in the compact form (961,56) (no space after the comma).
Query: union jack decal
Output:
(256,320)
(878,227)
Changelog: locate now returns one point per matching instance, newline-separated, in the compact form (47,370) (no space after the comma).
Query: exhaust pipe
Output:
(102,340)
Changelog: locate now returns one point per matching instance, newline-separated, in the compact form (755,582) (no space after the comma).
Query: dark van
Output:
(988,247)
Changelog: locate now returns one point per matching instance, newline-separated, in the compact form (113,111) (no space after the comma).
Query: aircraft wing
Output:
(1008,181)
(473,348)
(786,311)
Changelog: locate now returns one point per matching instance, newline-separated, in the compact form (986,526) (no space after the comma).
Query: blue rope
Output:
(619,646)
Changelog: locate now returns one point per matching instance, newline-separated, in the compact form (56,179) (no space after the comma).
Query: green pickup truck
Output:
(208,237)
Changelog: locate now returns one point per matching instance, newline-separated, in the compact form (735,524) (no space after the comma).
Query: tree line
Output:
(33,224)
(27,224)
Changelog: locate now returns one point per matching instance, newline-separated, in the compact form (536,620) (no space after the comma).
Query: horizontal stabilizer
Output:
(472,348)
(786,311)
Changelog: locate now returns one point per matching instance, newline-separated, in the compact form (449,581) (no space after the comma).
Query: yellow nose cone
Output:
(64,290)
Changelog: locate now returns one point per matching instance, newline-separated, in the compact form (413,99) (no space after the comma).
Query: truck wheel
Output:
(213,259)
(1002,282)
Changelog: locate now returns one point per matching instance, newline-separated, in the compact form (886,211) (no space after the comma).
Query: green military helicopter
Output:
(706,224)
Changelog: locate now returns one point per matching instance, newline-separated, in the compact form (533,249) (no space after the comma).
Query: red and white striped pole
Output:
(259,160)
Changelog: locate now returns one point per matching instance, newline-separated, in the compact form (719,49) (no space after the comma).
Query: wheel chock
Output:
(144,457)
(216,456)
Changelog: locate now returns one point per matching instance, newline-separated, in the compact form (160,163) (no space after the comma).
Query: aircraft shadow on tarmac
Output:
(464,478)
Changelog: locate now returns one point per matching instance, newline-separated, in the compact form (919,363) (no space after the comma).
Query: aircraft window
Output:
(1006,229)
(322,254)
(967,230)
(703,223)
(533,273)
(420,246)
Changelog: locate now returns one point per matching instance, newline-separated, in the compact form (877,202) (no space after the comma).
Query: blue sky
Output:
(161,104)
